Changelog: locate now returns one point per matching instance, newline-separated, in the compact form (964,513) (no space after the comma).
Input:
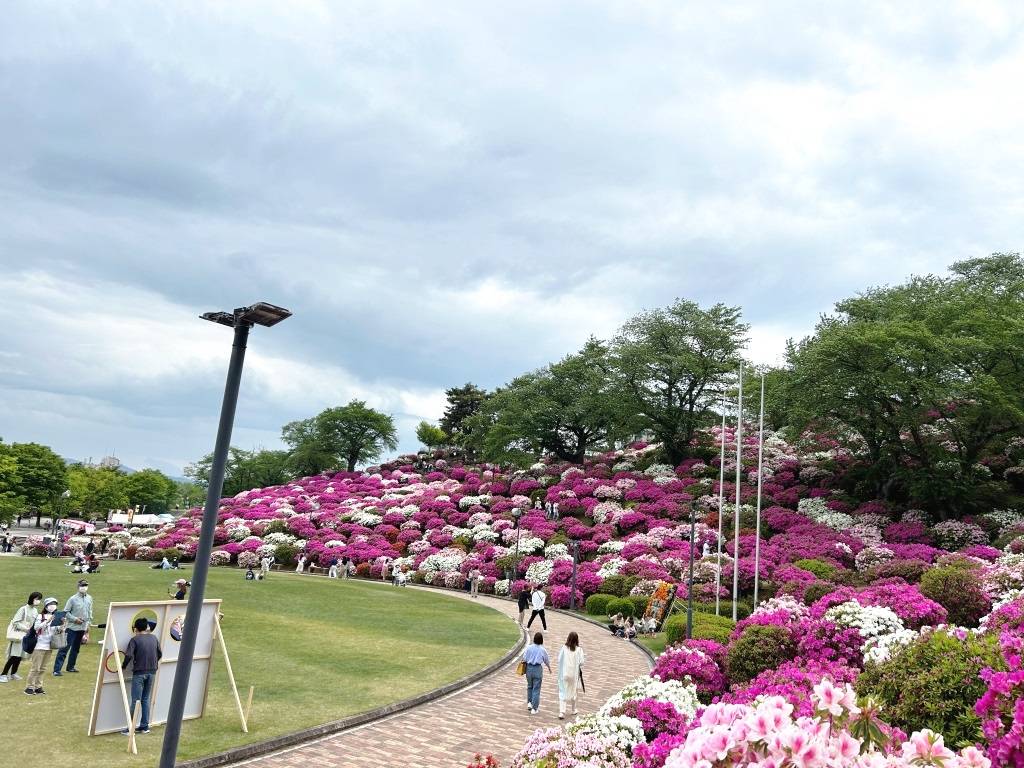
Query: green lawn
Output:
(315,649)
(654,644)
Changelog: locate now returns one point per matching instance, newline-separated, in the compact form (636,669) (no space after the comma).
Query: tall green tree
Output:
(10,482)
(350,434)
(928,375)
(463,403)
(430,435)
(95,491)
(673,363)
(188,494)
(568,408)
(151,488)
(43,477)
(244,470)
(309,451)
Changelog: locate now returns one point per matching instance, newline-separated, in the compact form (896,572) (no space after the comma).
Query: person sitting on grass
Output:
(629,631)
(617,624)
(143,653)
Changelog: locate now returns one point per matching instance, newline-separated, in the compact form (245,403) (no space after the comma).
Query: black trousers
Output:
(534,615)
(11,667)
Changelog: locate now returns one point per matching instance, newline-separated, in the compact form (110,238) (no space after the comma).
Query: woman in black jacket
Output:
(524,606)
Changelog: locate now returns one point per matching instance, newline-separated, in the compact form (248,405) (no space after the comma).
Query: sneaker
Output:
(39,691)
(125,731)
(143,730)
(16,676)
(533,711)
(3,678)
(58,674)
(71,670)
(30,692)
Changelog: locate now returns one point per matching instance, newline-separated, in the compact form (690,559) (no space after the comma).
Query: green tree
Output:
(188,494)
(430,435)
(463,403)
(309,454)
(43,477)
(354,433)
(928,377)
(244,470)
(95,491)
(151,488)
(673,363)
(10,482)
(567,408)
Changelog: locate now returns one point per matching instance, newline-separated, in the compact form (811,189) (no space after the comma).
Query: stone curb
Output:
(260,748)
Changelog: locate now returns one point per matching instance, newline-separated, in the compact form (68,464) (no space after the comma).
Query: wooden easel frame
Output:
(167,608)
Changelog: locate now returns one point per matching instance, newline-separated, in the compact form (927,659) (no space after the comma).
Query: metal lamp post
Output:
(575,559)
(241,320)
(689,584)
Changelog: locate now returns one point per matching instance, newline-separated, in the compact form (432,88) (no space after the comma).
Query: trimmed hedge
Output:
(615,585)
(757,649)
(597,604)
(621,605)
(706,626)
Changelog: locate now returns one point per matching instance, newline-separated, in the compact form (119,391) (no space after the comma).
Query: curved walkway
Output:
(488,717)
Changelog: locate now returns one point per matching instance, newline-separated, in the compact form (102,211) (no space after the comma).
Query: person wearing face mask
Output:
(79,617)
(44,627)
(24,619)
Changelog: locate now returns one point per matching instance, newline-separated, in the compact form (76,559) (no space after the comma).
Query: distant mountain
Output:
(124,469)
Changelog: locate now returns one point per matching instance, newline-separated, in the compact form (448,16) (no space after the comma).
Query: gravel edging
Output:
(260,748)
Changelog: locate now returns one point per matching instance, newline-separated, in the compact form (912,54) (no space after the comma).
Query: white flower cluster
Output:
(664,479)
(869,557)
(683,696)
(875,624)
(539,572)
(445,561)
(611,568)
(622,466)
(1005,518)
(367,519)
(502,587)
(468,501)
(660,470)
(572,472)
(607,512)
(812,508)
(539,466)
(611,547)
(607,492)
(882,648)
(239,532)
(484,533)
(527,544)
(556,551)
(619,730)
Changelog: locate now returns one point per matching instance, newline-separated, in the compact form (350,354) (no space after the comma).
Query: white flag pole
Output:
(721,512)
(760,479)
(736,520)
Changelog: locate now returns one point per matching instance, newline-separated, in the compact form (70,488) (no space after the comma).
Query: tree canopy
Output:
(96,490)
(346,435)
(244,470)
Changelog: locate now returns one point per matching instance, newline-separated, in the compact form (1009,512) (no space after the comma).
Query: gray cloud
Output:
(460,192)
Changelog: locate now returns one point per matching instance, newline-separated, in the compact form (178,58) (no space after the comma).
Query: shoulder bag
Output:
(521,668)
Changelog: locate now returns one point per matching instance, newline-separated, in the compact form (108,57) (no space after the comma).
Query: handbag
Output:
(14,635)
(28,642)
(59,638)
(521,668)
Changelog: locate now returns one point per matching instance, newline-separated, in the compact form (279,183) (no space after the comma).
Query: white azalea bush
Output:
(683,696)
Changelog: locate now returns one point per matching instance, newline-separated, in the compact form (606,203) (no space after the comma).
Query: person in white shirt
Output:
(537,600)
(570,663)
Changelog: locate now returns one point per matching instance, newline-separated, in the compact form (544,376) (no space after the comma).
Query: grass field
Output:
(315,649)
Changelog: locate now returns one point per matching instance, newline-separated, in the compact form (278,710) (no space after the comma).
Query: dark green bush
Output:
(615,585)
(621,605)
(821,569)
(639,604)
(706,626)
(285,553)
(559,538)
(817,590)
(934,683)
(631,581)
(597,605)
(276,526)
(959,591)
(172,552)
(757,649)
(910,571)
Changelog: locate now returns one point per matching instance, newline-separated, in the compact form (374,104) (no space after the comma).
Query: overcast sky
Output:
(446,192)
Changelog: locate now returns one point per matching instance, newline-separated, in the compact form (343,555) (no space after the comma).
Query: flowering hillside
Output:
(923,617)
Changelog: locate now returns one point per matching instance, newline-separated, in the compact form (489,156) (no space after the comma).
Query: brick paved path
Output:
(489,716)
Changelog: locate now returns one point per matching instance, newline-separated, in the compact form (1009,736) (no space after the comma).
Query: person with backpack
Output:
(24,620)
(143,653)
(79,618)
(41,637)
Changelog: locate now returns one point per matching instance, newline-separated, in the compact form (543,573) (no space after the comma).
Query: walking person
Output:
(301,566)
(79,617)
(44,628)
(537,600)
(265,564)
(535,655)
(332,572)
(24,620)
(570,666)
(524,606)
(474,582)
(143,653)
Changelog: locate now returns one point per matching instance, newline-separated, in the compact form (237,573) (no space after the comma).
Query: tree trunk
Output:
(352,459)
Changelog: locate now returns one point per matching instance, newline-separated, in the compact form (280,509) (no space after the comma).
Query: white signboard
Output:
(108,708)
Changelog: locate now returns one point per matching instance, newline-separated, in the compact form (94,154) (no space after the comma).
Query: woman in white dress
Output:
(570,662)
(301,567)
